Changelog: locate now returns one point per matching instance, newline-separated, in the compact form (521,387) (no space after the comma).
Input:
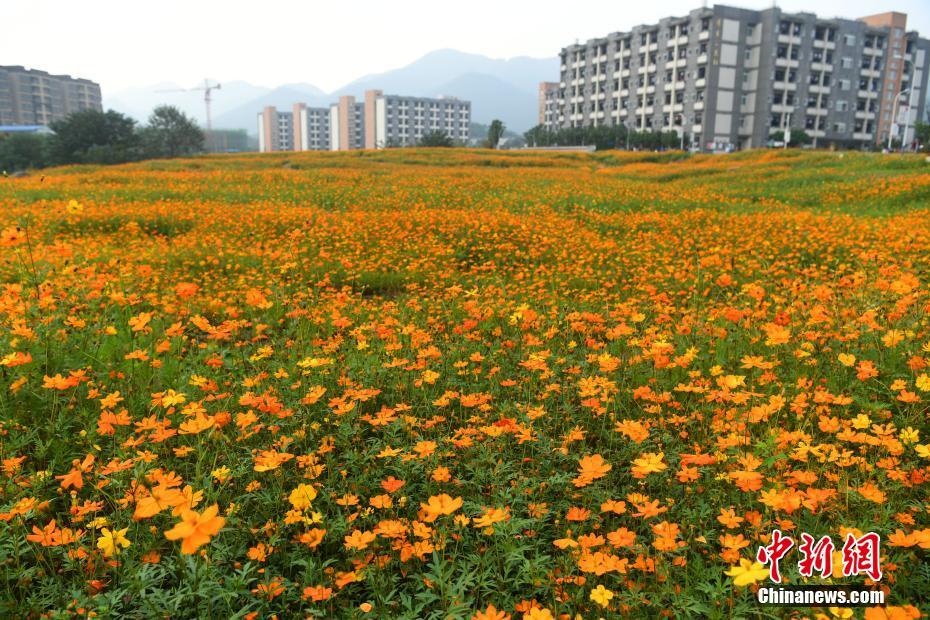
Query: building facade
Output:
(548,103)
(311,128)
(403,121)
(347,124)
(380,121)
(725,77)
(32,97)
(275,130)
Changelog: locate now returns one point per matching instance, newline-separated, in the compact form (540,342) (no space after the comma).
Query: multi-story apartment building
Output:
(275,130)
(311,128)
(402,121)
(347,124)
(548,103)
(378,122)
(725,77)
(32,97)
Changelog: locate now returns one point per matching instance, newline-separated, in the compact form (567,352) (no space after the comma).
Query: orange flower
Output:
(359,540)
(590,468)
(196,529)
(439,505)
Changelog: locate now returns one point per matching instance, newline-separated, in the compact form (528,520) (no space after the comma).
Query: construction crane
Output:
(207,88)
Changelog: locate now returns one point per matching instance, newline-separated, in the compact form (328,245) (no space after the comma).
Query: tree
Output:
(22,151)
(435,139)
(95,137)
(495,133)
(799,137)
(171,133)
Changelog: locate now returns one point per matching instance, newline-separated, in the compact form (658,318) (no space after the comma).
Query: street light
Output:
(894,115)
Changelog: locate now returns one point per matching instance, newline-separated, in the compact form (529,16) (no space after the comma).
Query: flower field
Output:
(457,384)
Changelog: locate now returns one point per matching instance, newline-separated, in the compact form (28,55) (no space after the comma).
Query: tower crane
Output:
(207,89)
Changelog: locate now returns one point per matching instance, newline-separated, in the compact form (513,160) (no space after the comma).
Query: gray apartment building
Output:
(726,77)
(311,128)
(33,97)
(395,120)
(275,130)
(380,121)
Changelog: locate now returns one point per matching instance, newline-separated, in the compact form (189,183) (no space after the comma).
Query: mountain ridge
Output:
(497,88)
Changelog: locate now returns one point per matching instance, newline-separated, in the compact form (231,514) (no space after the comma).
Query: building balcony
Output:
(698,105)
(820,66)
(702,59)
(827,45)
(862,136)
(786,62)
(865,115)
(817,111)
(784,86)
(789,39)
(700,83)
(705,35)
(816,88)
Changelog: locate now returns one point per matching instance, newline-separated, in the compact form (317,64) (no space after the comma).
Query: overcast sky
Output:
(133,43)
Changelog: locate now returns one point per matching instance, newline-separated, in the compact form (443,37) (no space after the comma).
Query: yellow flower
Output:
(923,383)
(111,541)
(601,596)
(221,474)
(923,450)
(74,207)
(302,497)
(847,359)
(909,435)
(747,572)
(861,421)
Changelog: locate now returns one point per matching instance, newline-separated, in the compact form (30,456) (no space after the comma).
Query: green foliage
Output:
(799,137)
(22,151)
(495,133)
(93,137)
(171,133)
(436,139)
(604,138)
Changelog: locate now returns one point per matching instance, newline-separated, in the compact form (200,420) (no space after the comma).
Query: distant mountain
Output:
(504,89)
(492,97)
(244,115)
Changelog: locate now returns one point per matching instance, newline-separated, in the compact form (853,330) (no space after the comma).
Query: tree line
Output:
(92,137)
(605,137)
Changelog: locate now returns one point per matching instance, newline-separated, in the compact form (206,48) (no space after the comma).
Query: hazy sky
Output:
(135,43)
